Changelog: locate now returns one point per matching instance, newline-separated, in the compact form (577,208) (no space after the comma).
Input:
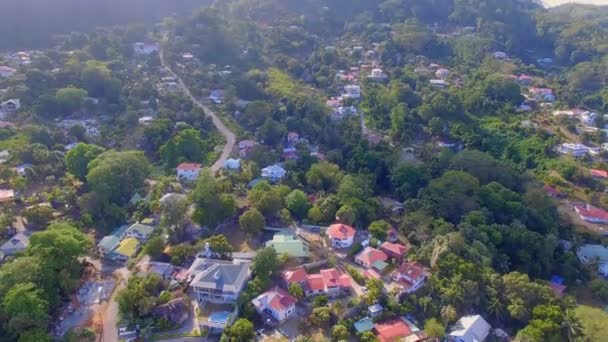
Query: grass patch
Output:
(594,322)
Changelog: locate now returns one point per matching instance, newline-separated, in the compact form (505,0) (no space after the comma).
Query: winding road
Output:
(229,136)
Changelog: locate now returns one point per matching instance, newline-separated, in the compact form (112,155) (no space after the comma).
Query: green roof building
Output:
(286,243)
(363,325)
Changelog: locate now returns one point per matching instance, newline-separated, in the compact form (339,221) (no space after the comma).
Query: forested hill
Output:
(31,23)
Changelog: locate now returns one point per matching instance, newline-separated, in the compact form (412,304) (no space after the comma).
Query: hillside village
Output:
(349,172)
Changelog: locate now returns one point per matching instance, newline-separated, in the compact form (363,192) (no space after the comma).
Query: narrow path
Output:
(229,136)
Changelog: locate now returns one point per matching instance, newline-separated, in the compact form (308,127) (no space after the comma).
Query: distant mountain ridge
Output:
(31,23)
(551,3)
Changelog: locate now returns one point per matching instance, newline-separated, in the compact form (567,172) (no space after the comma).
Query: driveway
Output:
(229,136)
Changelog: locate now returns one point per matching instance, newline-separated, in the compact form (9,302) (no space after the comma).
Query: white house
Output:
(353,91)
(232,164)
(276,302)
(589,253)
(341,235)
(6,71)
(142,49)
(17,243)
(575,150)
(439,83)
(470,329)
(188,171)
(410,276)
(218,281)
(442,73)
(499,55)
(273,173)
(217,96)
(10,106)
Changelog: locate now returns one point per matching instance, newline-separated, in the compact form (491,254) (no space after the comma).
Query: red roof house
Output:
(369,256)
(298,275)
(392,331)
(329,281)
(599,173)
(592,214)
(276,302)
(188,171)
(410,275)
(341,235)
(394,250)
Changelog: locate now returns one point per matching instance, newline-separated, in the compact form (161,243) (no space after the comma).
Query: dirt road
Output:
(229,136)
(109,316)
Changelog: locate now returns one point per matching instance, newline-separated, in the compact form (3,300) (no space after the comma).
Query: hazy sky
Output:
(559,2)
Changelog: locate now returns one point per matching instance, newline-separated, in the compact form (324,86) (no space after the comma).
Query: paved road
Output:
(229,136)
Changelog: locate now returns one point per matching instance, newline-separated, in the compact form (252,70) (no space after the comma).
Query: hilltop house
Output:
(287,243)
(372,258)
(175,312)
(7,196)
(329,281)
(111,241)
(394,250)
(273,173)
(352,91)
(188,171)
(245,146)
(392,331)
(16,244)
(575,150)
(276,302)
(232,164)
(587,254)
(470,329)
(591,214)
(127,248)
(142,49)
(598,173)
(6,71)
(218,281)
(139,231)
(410,276)
(217,96)
(10,106)
(341,235)
(296,276)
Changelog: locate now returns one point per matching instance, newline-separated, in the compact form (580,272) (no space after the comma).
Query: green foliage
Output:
(340,333)
(116,176)
(25,307)
(266,198)
(77,159)
(265,264)
(320,316)
(296,290)
(252,221)
(140,296)
(319,301)
(240,331)
(433,328)
(212,206)
(38,217)
(187,145)
(324,176)
(70,99)
(453,194)
(379,229)
(408,179)
(219,244)
(297,203)
(155,246)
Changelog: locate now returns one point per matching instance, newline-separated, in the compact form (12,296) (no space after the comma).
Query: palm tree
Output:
(448,314)
(296,291)
(496,307)
(572,326)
